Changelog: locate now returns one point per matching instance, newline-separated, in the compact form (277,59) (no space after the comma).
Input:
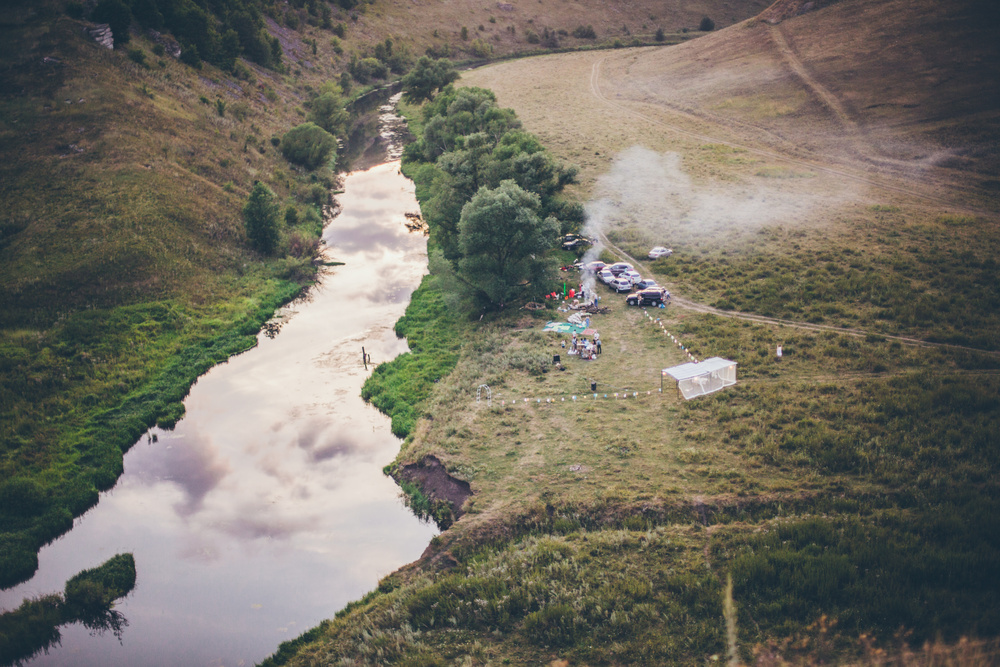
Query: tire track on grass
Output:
(695,306)
(595,89)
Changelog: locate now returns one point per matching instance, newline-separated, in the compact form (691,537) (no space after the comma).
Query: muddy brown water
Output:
(265,510)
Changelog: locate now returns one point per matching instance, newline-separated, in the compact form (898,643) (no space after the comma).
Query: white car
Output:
(606,276)
(659,251)
(632,275)
(621,284)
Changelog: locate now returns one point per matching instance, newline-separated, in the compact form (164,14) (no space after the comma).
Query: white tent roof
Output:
(685,371)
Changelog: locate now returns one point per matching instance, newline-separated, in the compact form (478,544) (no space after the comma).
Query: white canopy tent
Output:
(704,377)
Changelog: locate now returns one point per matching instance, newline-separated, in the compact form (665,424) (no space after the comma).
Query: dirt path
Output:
(831,101)
(688,304)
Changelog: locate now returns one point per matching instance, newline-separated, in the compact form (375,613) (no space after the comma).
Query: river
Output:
(265,510)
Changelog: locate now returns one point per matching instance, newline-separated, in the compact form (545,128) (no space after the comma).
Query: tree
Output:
(260,214)
(328,111)
(706,25)
(308,144)
(426,77)
(502,241)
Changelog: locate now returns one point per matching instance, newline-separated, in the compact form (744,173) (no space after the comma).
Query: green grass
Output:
(433,333)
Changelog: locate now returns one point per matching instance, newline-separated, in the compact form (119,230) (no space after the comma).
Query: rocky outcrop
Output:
(101,33)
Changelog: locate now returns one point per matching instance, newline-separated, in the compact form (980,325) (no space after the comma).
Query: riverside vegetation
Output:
(847,489)
(127,267)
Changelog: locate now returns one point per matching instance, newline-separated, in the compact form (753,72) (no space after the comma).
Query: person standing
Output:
(597,343)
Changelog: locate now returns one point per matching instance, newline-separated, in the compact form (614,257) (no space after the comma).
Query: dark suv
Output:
(653,296)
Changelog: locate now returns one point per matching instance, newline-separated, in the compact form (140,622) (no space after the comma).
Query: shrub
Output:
(480,49)
(706,25)
(308,145)
(584,32)
(138,56)
(260,214)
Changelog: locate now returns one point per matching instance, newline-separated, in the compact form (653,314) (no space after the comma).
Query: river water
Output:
(265,510)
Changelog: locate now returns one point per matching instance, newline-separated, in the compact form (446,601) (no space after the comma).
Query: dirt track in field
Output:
(848,93)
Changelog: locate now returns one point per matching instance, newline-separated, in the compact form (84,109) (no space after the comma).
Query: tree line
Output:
(489,193)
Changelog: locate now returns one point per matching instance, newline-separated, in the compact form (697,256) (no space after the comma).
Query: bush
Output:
(706,25)
(308,145)
(138,56)
(584,32)
(261,218)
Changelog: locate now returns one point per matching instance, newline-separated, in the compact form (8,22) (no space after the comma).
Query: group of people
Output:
(586,349)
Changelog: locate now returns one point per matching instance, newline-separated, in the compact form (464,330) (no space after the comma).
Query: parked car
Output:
(595,266)
(606,276)
(632,275)
(645,284)
(620,284)
(619,268)
(652,296)
(659,251)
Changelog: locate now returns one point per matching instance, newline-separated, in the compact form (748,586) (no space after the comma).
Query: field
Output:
(849,488)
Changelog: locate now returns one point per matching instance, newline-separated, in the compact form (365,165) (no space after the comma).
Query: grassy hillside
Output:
(849,488)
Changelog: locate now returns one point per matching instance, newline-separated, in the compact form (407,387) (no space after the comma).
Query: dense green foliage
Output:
(327,111)
(261,217)
(34,626)
(217,32)
(469,143)
(309,145)
(426,78)
(503,242)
